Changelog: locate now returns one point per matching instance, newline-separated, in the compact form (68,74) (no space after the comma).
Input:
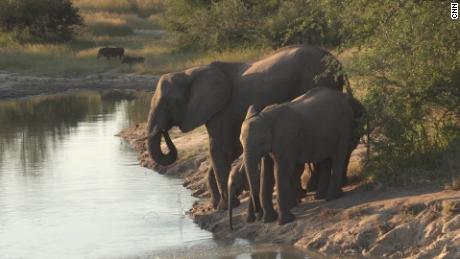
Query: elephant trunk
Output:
(230,205)
(156,130)
(251,163)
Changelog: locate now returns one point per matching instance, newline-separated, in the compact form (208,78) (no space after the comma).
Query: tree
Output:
(44,19)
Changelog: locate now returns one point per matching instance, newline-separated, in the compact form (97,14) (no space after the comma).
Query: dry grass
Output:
(140,7)
(106,25)
(52,60)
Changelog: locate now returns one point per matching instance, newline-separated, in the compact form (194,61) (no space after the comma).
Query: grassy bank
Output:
(109,23)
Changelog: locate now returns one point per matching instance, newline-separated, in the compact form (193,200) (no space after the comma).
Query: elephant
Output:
(360,119)
(218,96)
(237,183)
(315,127)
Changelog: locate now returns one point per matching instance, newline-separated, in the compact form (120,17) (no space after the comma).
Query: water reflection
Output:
(32,129)
(70,189)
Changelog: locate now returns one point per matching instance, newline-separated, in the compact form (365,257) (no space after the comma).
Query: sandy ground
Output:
(369,221)
(14,85)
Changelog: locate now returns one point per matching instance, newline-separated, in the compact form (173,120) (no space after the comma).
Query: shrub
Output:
(45,19)
(219,25)
(409,65)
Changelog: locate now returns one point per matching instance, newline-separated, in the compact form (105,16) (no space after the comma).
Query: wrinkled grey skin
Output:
(219,94)
(238,182)
(315,127)
(359,120)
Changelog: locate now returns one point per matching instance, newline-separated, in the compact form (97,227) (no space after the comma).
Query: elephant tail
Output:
(368,136)
(343,80)
(361,126)
(230,212)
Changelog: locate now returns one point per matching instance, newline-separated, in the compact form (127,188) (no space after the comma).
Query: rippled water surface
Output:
(69,188)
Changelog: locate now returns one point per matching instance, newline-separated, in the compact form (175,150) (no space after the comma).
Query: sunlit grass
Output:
(110,23)
(52,60)
(141,7)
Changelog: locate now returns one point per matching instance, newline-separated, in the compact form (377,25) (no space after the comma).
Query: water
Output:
(69,188)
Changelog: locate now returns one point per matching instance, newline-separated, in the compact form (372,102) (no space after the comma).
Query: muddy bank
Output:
(14,85)
(370,221)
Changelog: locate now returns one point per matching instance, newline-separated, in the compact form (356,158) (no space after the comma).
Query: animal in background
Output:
(111,53)
(132,60)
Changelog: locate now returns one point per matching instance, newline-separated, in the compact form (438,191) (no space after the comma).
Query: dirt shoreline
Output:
(370,221)
(15,85)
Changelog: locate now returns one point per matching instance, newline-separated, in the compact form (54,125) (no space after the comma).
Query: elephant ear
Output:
(208,93)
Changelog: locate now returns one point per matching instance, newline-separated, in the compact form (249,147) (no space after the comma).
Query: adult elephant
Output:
(219,94)
(320,126)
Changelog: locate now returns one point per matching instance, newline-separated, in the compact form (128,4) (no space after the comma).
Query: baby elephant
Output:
(315,127)
(237,183)
(132,60)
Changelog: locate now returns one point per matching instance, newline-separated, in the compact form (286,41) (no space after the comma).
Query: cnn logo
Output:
(454,11)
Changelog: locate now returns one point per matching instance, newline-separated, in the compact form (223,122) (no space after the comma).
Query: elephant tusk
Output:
(153,133)
(144,138)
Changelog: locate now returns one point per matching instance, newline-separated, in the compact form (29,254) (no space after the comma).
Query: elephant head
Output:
(256,138)
(185,99)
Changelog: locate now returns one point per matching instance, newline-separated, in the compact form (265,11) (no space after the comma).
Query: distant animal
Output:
(111,53)
(315,127)
(132,60)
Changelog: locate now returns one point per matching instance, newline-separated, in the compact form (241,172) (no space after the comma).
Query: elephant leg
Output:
(296,181)
(324,176)
(338,167)
(212,187)
(283,170)
(344,175)
(267,182)
(312,184)
(251,217)
(222,138)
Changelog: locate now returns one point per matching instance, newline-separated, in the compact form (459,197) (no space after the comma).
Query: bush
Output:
(45,19)
(409,65)
(219,25)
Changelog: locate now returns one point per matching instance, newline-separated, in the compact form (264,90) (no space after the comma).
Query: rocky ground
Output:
(369,221)
(14,85)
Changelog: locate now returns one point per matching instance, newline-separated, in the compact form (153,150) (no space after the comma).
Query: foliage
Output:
(45,19)
(218,25)
(409,64)
(406,62)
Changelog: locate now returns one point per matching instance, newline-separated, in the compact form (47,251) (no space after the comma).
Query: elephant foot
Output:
(320,195)
(215,202)
(235,202)
(250,218)
(286,218)
(334,195)
(269,216)
(312,184)
(292,203)
(310,188)
(222,205)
